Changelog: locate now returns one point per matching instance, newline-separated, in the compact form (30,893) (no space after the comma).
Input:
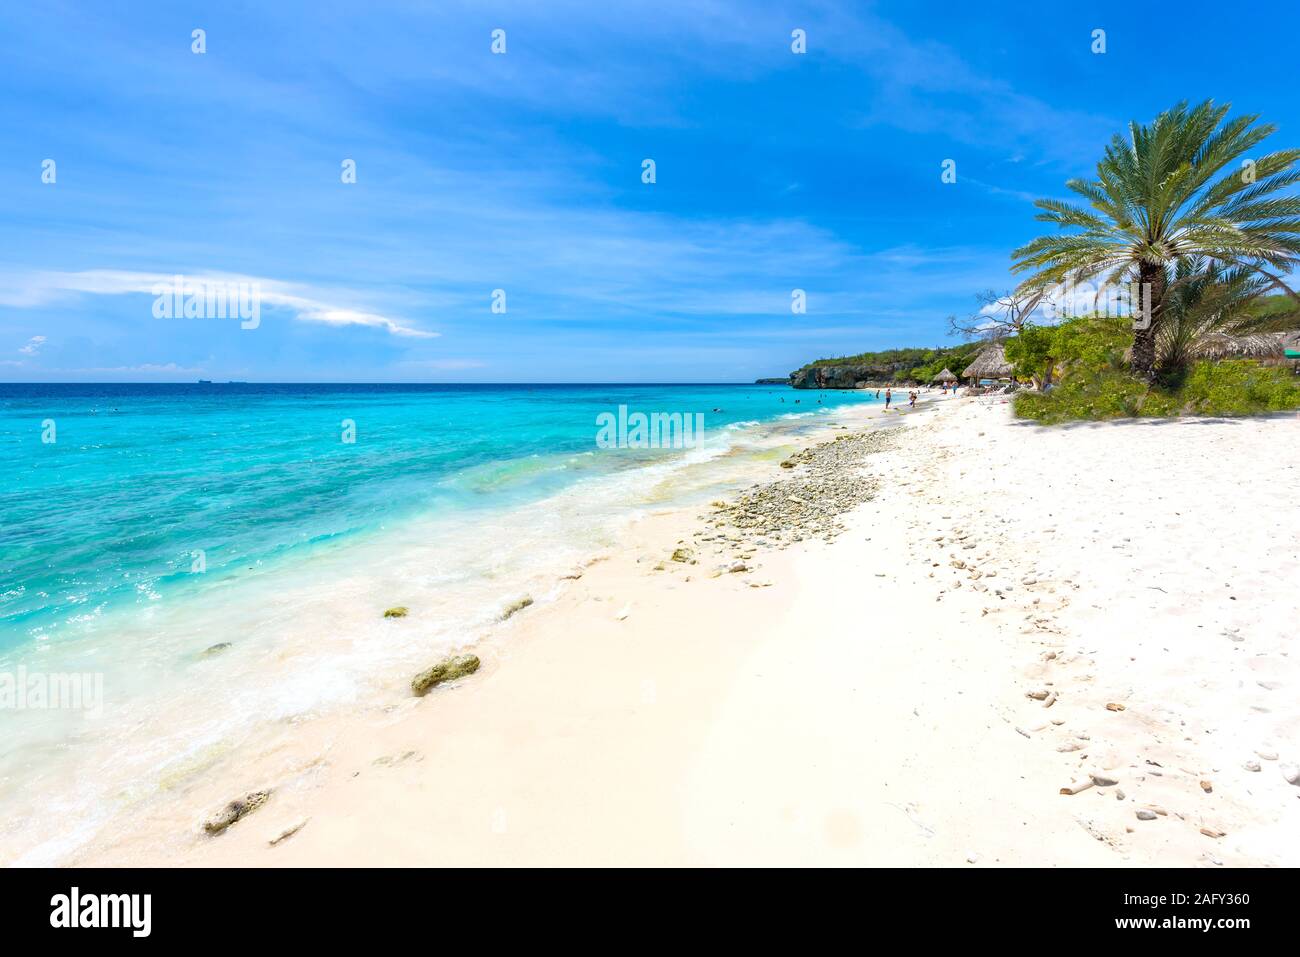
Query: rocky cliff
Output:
(846,376)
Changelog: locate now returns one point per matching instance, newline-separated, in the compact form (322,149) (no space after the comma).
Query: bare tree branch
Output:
(999,317)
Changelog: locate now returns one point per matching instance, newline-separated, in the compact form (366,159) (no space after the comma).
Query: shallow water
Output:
(165,519)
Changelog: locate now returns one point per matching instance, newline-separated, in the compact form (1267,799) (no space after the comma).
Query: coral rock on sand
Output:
(236,809)
(517,605)
(287,832)
(216,649)
(398,611)
(448,669)
(683,555)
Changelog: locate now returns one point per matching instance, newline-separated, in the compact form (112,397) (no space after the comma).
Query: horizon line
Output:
(367,382)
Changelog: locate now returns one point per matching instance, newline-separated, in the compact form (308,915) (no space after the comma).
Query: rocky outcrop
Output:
(516,606)
(449,669)
(235,810)
(846,376)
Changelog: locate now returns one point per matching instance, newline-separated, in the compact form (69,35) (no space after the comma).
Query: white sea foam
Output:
(308,638)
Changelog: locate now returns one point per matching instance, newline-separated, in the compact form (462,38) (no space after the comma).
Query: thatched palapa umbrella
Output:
(945,376)
(1264,347)
(990,364)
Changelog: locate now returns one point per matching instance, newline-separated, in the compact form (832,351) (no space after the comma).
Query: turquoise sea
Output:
(142,524)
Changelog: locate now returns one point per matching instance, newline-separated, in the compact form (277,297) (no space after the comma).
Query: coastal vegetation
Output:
(1197,236)
(1089,356)
(1203,240)
(901,365)
(1171,192)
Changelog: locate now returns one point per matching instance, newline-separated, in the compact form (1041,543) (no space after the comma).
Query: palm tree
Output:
(1207,304)
(1164,194)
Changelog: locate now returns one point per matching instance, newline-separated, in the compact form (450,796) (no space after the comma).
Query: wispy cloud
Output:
(40,288)
(144,368)
(522,172)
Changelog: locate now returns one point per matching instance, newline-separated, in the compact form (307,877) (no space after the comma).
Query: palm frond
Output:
(1165,198)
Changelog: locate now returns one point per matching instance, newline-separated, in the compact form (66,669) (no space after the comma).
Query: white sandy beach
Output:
(858,702)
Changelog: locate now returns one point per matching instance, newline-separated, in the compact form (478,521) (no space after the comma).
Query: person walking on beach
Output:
(911,400)
(889,395)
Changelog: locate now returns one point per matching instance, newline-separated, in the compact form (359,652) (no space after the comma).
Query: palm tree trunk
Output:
(1151,293)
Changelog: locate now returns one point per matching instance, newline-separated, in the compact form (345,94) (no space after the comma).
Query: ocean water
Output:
(142,524)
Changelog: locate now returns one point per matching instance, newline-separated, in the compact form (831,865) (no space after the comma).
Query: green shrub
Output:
(1240,387)
(1093,342)
(920,365)
(1096,394)
(1229,387)
(1090,342)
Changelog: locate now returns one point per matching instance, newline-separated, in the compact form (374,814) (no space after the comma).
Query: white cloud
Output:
(447,364)
(151,368)
(43,287)
(33,346)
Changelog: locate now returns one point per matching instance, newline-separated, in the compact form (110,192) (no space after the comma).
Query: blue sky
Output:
(522,172)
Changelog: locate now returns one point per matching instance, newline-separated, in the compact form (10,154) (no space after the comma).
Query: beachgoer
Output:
(889,397)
